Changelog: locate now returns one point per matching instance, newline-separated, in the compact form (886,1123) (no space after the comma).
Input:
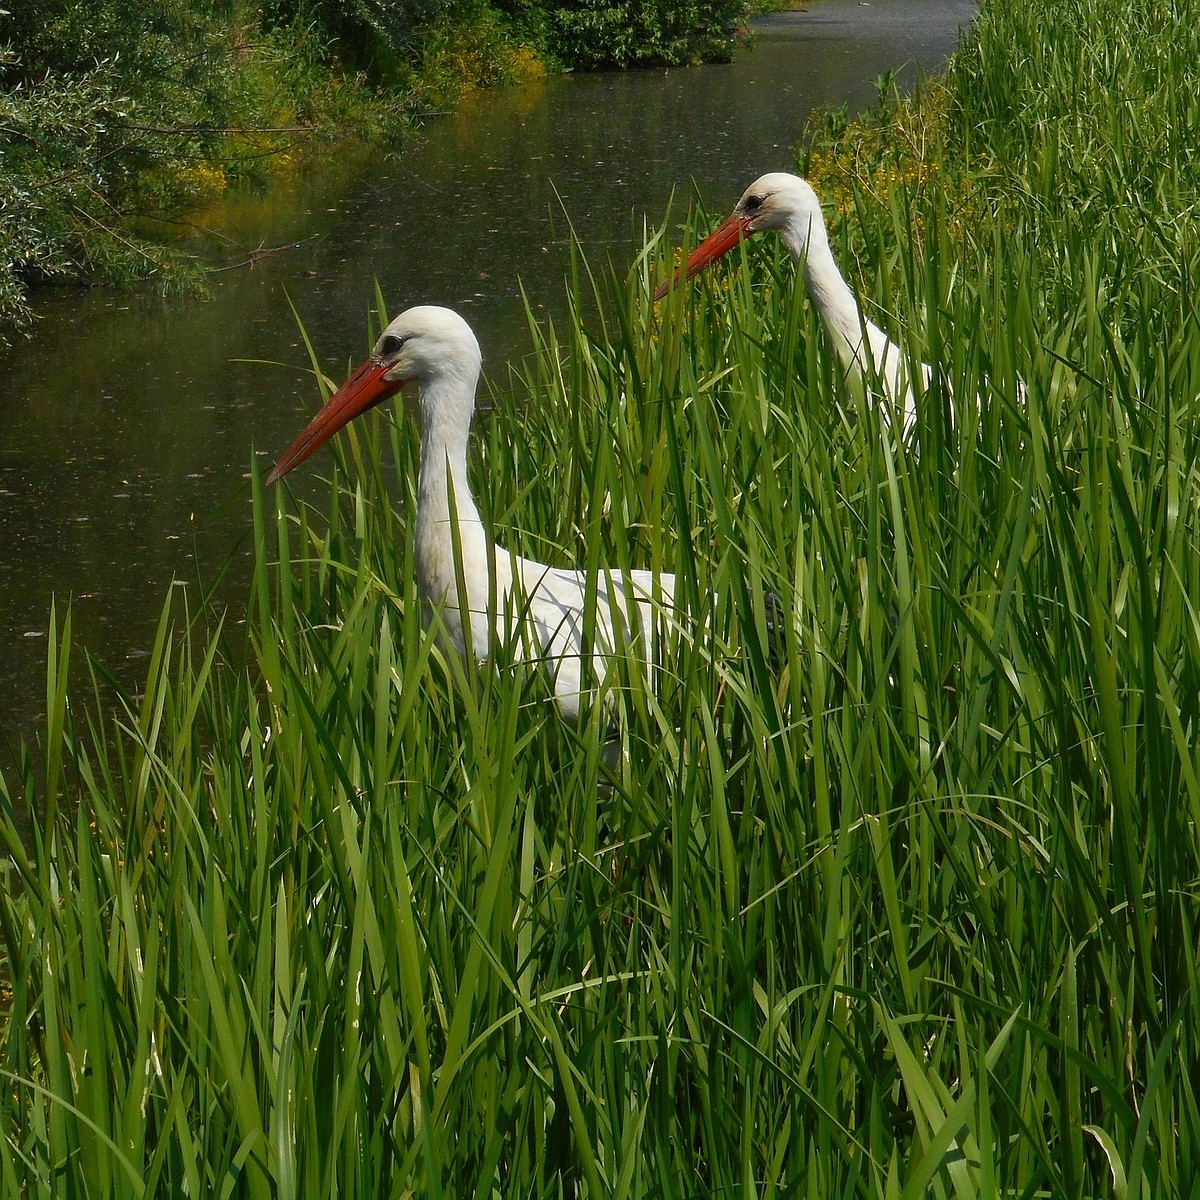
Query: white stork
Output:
(436,349)
(787,204)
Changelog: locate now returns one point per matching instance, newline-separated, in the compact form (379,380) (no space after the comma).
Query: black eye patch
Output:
(752,203)
(390,345)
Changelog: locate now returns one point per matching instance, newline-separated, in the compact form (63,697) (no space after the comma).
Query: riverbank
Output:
(121,126)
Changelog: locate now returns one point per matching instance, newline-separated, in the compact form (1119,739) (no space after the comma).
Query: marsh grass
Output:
(327,913)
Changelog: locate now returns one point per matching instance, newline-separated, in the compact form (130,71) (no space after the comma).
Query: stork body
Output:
(542,606)
(788,205)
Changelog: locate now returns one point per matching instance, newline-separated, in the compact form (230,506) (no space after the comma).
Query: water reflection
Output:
(127,425)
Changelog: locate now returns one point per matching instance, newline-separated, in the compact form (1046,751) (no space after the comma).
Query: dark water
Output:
(127,424)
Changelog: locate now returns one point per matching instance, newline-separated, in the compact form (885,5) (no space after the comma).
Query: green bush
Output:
(110,110)
(596,33)
(62,164)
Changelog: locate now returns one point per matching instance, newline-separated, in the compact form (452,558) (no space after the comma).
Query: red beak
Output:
(364,389)
(722,239)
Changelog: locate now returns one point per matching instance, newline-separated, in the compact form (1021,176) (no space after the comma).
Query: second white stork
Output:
(788,205)
(544,607)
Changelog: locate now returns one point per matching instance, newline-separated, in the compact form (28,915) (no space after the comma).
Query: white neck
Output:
(830,292)
(446,514)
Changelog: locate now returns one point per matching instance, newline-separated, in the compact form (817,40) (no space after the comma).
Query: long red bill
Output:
(363,390)
(720,241)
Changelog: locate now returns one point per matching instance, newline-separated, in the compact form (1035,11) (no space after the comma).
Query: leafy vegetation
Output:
(324,912)
(598,33)
(113,116)
(115,120)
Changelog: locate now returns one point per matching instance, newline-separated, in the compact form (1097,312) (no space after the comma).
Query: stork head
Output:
(425,345)
(778,201)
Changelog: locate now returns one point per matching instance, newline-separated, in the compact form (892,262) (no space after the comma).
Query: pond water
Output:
(128,422)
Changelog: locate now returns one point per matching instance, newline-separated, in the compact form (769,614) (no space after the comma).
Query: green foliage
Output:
(383,37)
(31,120)
(117,119)
(1083,138)
(111,113)
(1094,138)
(600,33)
(457,56)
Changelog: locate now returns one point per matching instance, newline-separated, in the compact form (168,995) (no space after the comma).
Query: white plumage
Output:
(788,205)
(506,594)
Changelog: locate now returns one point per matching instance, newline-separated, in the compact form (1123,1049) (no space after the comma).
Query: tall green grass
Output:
(326,913)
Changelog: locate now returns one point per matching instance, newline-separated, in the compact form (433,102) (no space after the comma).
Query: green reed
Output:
(324,912)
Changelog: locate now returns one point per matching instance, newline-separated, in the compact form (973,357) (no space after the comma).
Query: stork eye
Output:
(390,345)
(752,203)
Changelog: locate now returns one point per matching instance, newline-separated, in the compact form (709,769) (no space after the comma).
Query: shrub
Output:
(111,111)
(596,33)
